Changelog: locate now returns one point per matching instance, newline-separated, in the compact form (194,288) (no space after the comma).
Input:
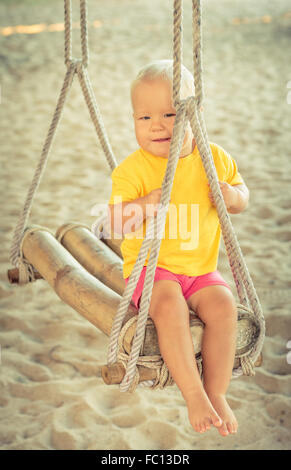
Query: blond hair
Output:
(164,69)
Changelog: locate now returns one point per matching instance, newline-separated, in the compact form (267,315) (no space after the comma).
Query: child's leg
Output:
(170,314)
(216,307)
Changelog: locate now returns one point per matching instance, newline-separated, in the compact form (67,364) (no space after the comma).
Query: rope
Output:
(190,108)
(95,115)
(26,270)
(155,228)
(186,110)
(177,50)
(15,255)
(78,66)
(163,377)
(197,51)
(232,244)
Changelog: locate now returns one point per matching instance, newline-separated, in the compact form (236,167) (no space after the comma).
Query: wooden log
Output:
(106,266)
(73,284)
(79,289)
(86,294)
(94,255)
(13,275)
(114,373)
(97,302)
(110,240)
(98,260)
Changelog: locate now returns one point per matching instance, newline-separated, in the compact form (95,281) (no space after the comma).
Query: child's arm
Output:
(236,197)
(134,211)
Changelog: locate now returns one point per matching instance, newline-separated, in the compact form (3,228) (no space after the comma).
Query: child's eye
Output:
(144,118)
(170,114)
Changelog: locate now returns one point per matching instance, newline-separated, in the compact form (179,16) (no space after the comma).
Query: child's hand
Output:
(152,201)
(229,194)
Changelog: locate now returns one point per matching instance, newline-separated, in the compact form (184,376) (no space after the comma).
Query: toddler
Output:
(186,275)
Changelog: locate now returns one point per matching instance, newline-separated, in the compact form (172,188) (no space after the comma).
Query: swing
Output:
(86,271)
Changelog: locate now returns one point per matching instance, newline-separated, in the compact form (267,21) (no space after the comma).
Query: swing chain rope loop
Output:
(15,252)
(197,51)
(186,110)
(69,35)
(159,224)
(191,110)
(73,66)
(177,50)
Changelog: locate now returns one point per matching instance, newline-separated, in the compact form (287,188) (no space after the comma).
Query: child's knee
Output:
(219,307)
(166,298)
(168,308)
(225,309)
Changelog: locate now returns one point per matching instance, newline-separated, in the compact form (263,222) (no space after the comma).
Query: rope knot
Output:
(74,64)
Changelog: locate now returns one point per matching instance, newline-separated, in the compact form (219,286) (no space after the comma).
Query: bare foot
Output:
(229,425)
(201,412)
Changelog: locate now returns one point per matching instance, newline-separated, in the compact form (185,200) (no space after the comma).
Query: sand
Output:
(52,394)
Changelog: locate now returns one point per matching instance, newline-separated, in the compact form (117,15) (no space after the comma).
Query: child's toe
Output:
(216,420)
(232,428)
(202,427)
(208,426)
(223,429)
(197,427)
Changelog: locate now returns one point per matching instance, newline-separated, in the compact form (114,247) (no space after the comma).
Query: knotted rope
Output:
(151,241)
(186,110)
(163,377)
(74,66)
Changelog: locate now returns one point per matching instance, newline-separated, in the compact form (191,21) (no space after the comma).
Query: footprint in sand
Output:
(275,375)
(113,400)
(279,409)
(61,439)
(157,435)
(129,419)
(82,415)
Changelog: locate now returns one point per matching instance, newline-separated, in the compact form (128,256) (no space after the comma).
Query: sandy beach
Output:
(52,395)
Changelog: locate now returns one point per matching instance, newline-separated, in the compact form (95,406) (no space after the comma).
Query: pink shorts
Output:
(189,284)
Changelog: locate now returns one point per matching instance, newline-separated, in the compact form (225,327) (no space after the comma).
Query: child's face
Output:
(154,116)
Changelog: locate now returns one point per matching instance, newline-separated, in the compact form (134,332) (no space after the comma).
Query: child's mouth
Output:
(166,139)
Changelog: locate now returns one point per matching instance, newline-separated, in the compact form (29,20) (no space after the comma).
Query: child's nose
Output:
(157,123)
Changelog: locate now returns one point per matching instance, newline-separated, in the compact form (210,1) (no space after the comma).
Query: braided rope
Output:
(68,32)
(163,377)
(177,50)
(96,115)
(197,61)
(227,229)
(15,256)
(152,240)
(245,288)
(244,285)
(189,108)
(197,50)
(233,262)
(73,66)
(176,145)
(84,32)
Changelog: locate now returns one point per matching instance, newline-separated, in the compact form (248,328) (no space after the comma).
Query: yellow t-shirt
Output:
(190,243)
